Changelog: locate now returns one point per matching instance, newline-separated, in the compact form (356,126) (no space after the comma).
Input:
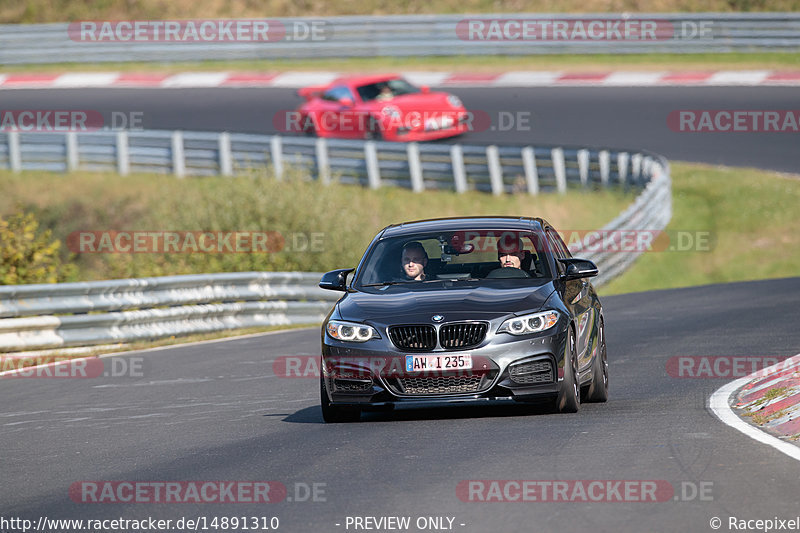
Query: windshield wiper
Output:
(451,279)
(386,283)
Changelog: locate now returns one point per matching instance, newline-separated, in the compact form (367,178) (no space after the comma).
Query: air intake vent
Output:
(420,338)
(460,336)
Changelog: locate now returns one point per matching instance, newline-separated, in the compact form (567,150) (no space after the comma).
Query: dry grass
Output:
(71,10)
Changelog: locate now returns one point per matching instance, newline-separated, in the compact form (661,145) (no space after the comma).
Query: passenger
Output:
(510,252)
(414,260)
(385,94)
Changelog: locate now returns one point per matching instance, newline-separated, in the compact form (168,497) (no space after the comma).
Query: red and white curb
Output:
(720,78)
(747,390)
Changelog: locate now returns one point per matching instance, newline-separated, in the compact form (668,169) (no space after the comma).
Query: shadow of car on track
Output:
(313,415)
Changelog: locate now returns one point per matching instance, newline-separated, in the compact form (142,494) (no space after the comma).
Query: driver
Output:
(414,260)
(510,251)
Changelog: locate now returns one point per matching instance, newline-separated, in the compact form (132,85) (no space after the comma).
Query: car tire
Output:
(373,132)
(569,395)
(309,129)
(335,413)
(598,390)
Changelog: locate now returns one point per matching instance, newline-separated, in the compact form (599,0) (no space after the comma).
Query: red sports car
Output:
(383,107)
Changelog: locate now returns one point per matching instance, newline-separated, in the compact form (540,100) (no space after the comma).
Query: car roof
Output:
(464,223)
(364,79)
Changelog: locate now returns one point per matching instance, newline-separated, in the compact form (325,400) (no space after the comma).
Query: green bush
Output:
(28,255)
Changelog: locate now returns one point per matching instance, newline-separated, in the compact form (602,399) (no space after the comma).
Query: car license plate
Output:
(439,123)
(423,363)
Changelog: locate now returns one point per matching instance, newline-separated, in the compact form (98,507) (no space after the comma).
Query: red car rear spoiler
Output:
(309,93)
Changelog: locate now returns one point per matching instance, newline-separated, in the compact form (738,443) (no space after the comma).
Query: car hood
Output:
(401,303)
(435,101)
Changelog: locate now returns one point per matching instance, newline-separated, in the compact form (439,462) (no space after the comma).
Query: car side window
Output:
(560,251)
(334,94)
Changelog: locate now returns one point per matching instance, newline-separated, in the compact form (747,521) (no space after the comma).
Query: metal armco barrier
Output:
(495,169)
(412,35)
(84,314)
(52,316)
(35,316)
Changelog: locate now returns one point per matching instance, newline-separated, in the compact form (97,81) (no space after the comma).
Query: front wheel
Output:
(336,413)
(569,396)
(373,132)
(598,390)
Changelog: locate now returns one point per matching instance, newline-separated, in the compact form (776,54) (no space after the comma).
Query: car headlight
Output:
(454,100)
(526,324)
(391,111)
(350,331)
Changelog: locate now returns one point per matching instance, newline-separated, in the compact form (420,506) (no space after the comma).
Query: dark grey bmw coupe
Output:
(463,310)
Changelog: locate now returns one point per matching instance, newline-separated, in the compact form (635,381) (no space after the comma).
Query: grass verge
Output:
(317,227)
(71,10)
(750,216)
(472,64)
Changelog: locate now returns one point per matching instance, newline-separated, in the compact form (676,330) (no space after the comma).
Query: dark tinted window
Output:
(334,94)
(396,87)
(455,255)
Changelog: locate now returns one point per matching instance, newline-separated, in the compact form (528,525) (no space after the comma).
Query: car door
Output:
(332,116)
(578,297)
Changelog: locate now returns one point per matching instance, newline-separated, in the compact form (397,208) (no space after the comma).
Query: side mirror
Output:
(578,268)
(335,280)
(346,101)
(425,89)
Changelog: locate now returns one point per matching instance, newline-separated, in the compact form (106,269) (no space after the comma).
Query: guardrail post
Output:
(276,152)
(531,172)
(495,170)
(457,164)
(636,167)
(560,169)
(373,169)
(583,166)
(178,160)
(622,166)
(72,151)
(123,154)
(415,167)
(14,153)
(604,159)
(647,168)
(225,155)
(323,165)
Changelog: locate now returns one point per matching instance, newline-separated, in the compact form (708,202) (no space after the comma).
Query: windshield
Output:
(386,90)
(472,255)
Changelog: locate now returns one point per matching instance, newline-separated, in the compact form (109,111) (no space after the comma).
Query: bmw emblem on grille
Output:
(437,318)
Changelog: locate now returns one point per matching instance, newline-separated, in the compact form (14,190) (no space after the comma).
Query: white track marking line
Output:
(719,403)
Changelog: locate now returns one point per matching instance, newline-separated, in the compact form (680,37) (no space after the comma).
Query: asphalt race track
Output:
(216,411)
(620,117)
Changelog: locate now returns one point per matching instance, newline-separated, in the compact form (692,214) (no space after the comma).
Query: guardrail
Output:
(411,35)
(32,316)
(83,314)
(496,169)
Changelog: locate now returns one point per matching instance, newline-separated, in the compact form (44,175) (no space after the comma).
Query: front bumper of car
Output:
(428,128)
(373,374)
